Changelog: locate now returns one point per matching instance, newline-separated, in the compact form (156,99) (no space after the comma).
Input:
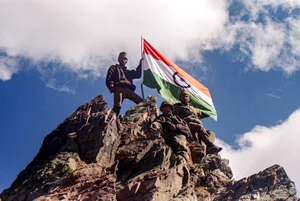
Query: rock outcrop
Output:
(88,157)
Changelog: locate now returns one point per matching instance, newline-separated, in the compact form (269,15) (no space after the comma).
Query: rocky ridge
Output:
(127,159)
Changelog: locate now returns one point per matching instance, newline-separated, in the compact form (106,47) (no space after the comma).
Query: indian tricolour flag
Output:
(169,79)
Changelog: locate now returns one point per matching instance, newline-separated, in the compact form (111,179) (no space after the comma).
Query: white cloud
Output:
(8,66)
(263,147)
(272,95)
(271,41)
(87,36)
(267,46)
(256,7)
(52,84)
(75,32)
(268,40)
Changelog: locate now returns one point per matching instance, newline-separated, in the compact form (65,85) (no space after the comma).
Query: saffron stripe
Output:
(149,49)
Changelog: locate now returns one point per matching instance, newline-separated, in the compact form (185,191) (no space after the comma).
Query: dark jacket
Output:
(118,75)
(167,120)
(188,113)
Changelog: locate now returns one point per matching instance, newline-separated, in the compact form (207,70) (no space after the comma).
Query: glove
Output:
(112,90)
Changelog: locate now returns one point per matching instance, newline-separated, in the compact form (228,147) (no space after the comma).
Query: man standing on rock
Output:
(119,82)
(176,129)
(192,116)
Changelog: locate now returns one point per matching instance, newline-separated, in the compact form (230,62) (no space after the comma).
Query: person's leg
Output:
(198,128)
(204,136)
(180,146)
(131,95)
(197,149)
(118,99)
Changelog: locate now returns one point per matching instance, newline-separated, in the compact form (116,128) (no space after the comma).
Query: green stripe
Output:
(171,92)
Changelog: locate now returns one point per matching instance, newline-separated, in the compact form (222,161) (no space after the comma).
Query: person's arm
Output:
(110,80)
(180,121)
(182,127)
(200,114)
(137,73)
(165,124)
(176,110)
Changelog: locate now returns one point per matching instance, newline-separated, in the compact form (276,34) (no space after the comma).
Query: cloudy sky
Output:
(54,56)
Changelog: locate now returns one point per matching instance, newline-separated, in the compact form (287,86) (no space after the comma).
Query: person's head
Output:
(184,96)
(123,58)
(166,107)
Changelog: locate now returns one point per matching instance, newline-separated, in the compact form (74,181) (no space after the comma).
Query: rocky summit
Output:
(92,157)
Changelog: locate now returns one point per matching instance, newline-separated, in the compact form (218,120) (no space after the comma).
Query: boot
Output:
(213,149)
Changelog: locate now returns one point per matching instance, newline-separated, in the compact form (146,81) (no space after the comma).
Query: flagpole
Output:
(142,89)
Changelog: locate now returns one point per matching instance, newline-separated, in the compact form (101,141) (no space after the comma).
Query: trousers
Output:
(122,93)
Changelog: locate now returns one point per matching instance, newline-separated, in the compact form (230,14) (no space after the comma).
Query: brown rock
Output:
(88,157)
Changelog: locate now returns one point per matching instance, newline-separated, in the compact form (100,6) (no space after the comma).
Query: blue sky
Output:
(54,57)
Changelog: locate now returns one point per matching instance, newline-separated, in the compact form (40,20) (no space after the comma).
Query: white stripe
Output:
(165,72)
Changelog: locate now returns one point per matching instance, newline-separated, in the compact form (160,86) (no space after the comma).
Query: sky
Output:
(54,56)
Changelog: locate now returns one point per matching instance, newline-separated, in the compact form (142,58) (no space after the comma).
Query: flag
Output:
(161,73)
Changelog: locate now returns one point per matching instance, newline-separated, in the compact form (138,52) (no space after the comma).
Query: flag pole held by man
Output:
(119,82)
(169,80)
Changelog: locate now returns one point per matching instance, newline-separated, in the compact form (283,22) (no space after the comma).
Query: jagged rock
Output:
(91,157)
(90,183)
(82,140)
(270,184)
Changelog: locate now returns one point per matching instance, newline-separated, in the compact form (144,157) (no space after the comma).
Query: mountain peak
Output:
(88,157)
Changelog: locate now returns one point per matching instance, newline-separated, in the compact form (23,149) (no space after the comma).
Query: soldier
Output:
(176,129)
(192,116)
(119,82)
